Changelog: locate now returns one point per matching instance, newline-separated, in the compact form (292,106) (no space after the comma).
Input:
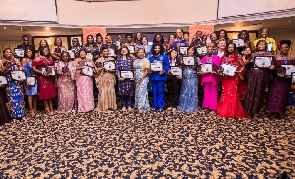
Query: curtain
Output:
(284,36)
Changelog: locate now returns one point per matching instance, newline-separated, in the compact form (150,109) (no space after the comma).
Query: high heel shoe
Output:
(32,113)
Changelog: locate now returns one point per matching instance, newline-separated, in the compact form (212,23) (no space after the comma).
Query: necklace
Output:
(285,59)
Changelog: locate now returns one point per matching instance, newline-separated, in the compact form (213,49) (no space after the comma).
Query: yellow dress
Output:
(268,40)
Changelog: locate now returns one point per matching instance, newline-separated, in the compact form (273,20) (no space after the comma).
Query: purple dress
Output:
(279,90)
(125,87)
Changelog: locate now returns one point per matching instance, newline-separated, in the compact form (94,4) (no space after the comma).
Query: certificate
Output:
(176,71)
(157,66)
(89,55)
(206,68)
(127,74)
(269,47)
(202,50)
(188,60)
(31,80)
(19,52)
(109,65)
(50,70)
(87,70)
(239,42)
(3,80)
(183,50)
(131,48)
(289,69)
(118,44)
(228,69)
(18,75)
(111,52)
(262,61)
(71,53)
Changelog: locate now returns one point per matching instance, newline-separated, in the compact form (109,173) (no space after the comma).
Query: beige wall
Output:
(285,36)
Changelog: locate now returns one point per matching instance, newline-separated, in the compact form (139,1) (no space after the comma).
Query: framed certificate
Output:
(176,71)
(206,68)
(239,42)
(188,60)
(262,61)
(157,66)
(109,65)
(71,53)
(50,70)
(202,50)
(89,55)
(31,80)
(269,47)
(18,75)
(111,52)
(3,80)
(87,70)
(118,44)
(19,52)
(131,48)
(289,69)
(228,69)
(183,50)
(127,74)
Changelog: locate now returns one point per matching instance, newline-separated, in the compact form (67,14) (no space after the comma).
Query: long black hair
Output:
(162,38)
(247,38)
(162,49)
(235,52)
(259,41)
(42,51)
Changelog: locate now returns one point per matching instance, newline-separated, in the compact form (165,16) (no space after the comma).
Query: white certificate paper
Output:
(71,53)
(202,50)
(228,69)
(239,42)
(176,71)
(111,52)
(289,69)
(188,60)
(131,48)
(157,66)
(128,74)
(110,65)
(206,68)
(183,50)
(3,80)
(51,70)
(89,55)
(19,52)
(86,70)
(269,47)
(31,80)
(262,61)
(18,75)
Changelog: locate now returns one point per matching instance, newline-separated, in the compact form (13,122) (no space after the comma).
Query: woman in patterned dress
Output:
(15,94)
(141,66)
(46,81)
(229,104)
(65,84)
(280,86)
(84,83)
(126,86)
(31,91)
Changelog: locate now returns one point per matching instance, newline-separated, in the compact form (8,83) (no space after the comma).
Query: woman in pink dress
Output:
(46,78)
(84,83)
(65,84)
(210,82)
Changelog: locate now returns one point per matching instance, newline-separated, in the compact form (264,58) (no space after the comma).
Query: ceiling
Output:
(8,32)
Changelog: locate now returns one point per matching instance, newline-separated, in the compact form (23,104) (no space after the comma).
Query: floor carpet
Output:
(156,145)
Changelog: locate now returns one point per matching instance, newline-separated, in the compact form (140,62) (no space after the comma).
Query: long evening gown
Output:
(66,87)
(229,104)
(30,90)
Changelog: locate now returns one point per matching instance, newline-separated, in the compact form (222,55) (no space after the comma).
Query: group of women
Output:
(241,95)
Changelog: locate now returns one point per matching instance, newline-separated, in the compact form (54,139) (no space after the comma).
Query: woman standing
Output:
(257,80)
(179,41)
(31,91)
(188,99)
(91,48)
(138,38)
(141,66)
(244,35)
(15,94)
(147,48)
(242,87)
(159,79)
(126,86)
(174,82)
(268,40)
(210,81)
(4,114)
(229,104)
(280,86)
(42,43)
(46,82)
(57,49)
(223,35)
(65,84)
(105,82)
(84,83)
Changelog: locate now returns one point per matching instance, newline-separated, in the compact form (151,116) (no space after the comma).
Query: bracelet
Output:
(42,73)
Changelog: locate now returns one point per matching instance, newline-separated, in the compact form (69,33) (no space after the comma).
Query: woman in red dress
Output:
(229,104)
(46,79)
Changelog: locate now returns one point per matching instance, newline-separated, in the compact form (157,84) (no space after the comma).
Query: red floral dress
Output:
(229,104)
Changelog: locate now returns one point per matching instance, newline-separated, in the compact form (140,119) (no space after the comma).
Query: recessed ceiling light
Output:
(289,21)
(4,28)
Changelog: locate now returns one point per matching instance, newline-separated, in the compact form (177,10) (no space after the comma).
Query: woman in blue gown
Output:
(188,98)
(31,91)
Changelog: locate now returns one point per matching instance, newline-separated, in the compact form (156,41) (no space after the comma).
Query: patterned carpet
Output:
(156,145)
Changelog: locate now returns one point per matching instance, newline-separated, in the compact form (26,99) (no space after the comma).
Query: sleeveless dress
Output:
(30,90)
